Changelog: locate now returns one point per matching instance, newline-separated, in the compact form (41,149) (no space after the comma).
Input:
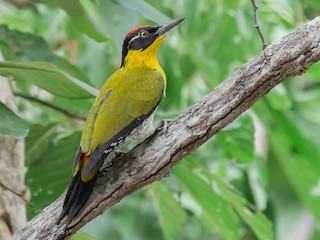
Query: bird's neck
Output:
(146,58)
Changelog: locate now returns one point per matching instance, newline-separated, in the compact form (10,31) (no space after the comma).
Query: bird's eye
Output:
(144,34)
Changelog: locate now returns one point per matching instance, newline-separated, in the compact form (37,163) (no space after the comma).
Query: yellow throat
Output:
(146,58)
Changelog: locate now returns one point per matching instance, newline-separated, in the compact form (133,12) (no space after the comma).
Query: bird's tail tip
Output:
(76,197)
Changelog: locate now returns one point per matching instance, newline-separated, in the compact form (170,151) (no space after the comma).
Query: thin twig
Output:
(256,23)
(24,4)
(50,105)
(20,195)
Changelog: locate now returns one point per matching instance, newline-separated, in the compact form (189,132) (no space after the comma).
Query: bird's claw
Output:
(118,154)
(163,125)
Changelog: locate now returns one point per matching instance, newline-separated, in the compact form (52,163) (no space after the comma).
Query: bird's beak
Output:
(168,26)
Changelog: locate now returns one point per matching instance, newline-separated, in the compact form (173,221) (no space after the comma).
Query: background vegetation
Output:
(257,179)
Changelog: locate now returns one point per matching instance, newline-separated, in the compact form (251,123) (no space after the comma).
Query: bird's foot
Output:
(118,154)
(110,160)
(163,125)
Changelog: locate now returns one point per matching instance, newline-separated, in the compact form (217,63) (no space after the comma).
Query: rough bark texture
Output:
(12,208)
(153,159)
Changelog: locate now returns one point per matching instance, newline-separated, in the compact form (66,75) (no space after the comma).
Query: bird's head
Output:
(142,42)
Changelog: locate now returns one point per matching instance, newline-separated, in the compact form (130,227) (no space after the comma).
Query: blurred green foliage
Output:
(259,178)
(11,124)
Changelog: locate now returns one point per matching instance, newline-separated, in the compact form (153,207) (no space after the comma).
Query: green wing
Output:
(127,95)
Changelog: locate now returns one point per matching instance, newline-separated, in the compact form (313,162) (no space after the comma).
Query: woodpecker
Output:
(122,112)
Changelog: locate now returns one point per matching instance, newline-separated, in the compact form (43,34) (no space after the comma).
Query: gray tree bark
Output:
(12,208)
(152,160)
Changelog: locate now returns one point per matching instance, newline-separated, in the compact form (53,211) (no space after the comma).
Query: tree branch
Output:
(12,208)
(152,160)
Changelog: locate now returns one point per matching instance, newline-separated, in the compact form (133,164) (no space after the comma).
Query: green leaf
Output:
(79,18)
(171,215)
(48,77)
(11,124)
(38,142)
(145,10)
(50,175)
(257,176)
(216,212)
(82,236)
(298,156)
(258,222)
(279,98)
(237,140)
(206,67)
(108,11)
(73,70)
(313,71)
(25,44)
(22,46)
